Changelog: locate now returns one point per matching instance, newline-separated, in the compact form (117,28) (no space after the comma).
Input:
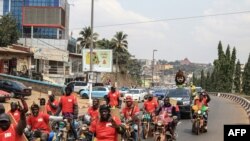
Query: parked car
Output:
(15,88)
(160,93)
(97,92)
(4,96)
(123,90)
(136,94)
(78,86)
(183,97)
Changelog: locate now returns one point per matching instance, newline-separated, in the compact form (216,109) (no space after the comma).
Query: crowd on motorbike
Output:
(60,120)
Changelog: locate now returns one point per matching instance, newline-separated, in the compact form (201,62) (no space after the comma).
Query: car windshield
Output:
(21,85)
(133,91)
(160,91)
(178,93)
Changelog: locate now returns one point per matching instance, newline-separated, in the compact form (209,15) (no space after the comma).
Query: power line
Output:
(172,19)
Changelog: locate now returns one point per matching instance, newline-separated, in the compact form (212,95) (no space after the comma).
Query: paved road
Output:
(222,111)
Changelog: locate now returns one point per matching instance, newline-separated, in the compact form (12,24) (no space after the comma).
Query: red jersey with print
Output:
(39,122)
(10,134)
(104,131)
(113,98)
(130,112)
(15,114)
(68,103)
(150,106)
(94,113)
(48,108)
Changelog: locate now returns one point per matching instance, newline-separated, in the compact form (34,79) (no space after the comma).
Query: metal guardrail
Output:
(240,100)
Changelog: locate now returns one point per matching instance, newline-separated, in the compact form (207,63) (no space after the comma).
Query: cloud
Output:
(110,12)
(230,29)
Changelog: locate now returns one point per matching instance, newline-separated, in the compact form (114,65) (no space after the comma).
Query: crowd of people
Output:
(103,125)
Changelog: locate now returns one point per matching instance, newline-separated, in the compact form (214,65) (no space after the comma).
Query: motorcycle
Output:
(199,122)
(163,127)
(131,131)
(146,122)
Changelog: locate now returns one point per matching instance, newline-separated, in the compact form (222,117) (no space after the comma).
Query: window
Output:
(81,84)
(56,67)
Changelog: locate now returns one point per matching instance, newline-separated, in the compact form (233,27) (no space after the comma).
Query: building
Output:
(44,29)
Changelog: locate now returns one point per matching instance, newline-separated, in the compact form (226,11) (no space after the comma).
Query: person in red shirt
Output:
(93,111)
(131,114)
(113,98)
(150,105)
(14,111)
(69,107)
(107,127)
(12,131)
(51,105)
(39,122)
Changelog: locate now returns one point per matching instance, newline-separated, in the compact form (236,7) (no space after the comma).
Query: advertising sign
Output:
(51,54)
(101,58)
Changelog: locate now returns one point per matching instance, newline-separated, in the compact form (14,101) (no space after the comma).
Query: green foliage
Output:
(246,78)
(8,31)
(85,39)
(203,80)
(208,81)
(237,78)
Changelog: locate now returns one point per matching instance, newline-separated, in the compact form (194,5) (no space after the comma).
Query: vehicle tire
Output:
(85,96)
(197,127)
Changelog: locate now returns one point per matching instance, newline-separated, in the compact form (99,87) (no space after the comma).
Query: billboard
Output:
(102,60)
(51,54)
(43,16)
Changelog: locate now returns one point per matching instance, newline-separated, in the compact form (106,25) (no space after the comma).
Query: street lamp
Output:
(153,66)
(91,51)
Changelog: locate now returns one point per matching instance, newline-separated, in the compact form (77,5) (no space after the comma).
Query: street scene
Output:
(114,70)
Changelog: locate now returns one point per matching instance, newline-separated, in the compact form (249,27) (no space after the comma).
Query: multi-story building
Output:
(44,28)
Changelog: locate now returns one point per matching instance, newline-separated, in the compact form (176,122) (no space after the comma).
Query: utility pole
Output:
(153,66)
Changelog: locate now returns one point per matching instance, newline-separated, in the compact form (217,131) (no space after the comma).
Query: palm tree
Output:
(121,43)
(85,39)
(105,44)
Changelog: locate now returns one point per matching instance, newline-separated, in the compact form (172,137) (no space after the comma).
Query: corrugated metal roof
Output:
(5,49)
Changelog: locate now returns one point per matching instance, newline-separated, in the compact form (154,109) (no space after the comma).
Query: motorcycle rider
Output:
(51,105)
(69,107)
(205,98)
(150,105)
(171,111)
(107,127)
(12,131)
(93,110)
(113,98)
(14,111)
(131,114)
(38,122)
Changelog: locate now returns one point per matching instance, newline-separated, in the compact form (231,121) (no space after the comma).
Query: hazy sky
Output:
(196,39)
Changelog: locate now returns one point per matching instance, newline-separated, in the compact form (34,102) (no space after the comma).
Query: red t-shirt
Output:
(39,122)
(48,108)
(68,103)
(150,106)
(15,114)
(94,114)
(10,134)
(104,131)
(127,112)
(113,98)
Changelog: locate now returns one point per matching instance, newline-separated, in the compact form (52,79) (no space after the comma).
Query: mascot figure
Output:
(180,78)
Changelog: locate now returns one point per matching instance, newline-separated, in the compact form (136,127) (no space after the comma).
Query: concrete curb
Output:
(245,104)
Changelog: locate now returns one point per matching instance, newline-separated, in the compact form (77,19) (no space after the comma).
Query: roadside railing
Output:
(238,99)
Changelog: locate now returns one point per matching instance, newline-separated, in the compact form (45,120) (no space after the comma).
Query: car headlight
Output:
(186,102)
(199,111)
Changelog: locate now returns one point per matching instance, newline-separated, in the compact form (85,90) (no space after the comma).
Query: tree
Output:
(8,30)
(208,83)
(237,77)
(246,78)
(85,39)
(203,81)
(194,79)
(121,43)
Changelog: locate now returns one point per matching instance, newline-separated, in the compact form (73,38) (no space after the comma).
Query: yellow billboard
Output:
(101,59)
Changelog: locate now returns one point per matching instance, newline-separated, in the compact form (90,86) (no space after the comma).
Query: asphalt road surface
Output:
(222,111)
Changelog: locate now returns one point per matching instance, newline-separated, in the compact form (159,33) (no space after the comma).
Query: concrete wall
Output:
(36,85)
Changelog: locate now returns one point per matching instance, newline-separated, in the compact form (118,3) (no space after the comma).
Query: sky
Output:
(196,39)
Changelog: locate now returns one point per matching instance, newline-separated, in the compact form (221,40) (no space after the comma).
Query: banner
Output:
(101,58)
(51,54)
